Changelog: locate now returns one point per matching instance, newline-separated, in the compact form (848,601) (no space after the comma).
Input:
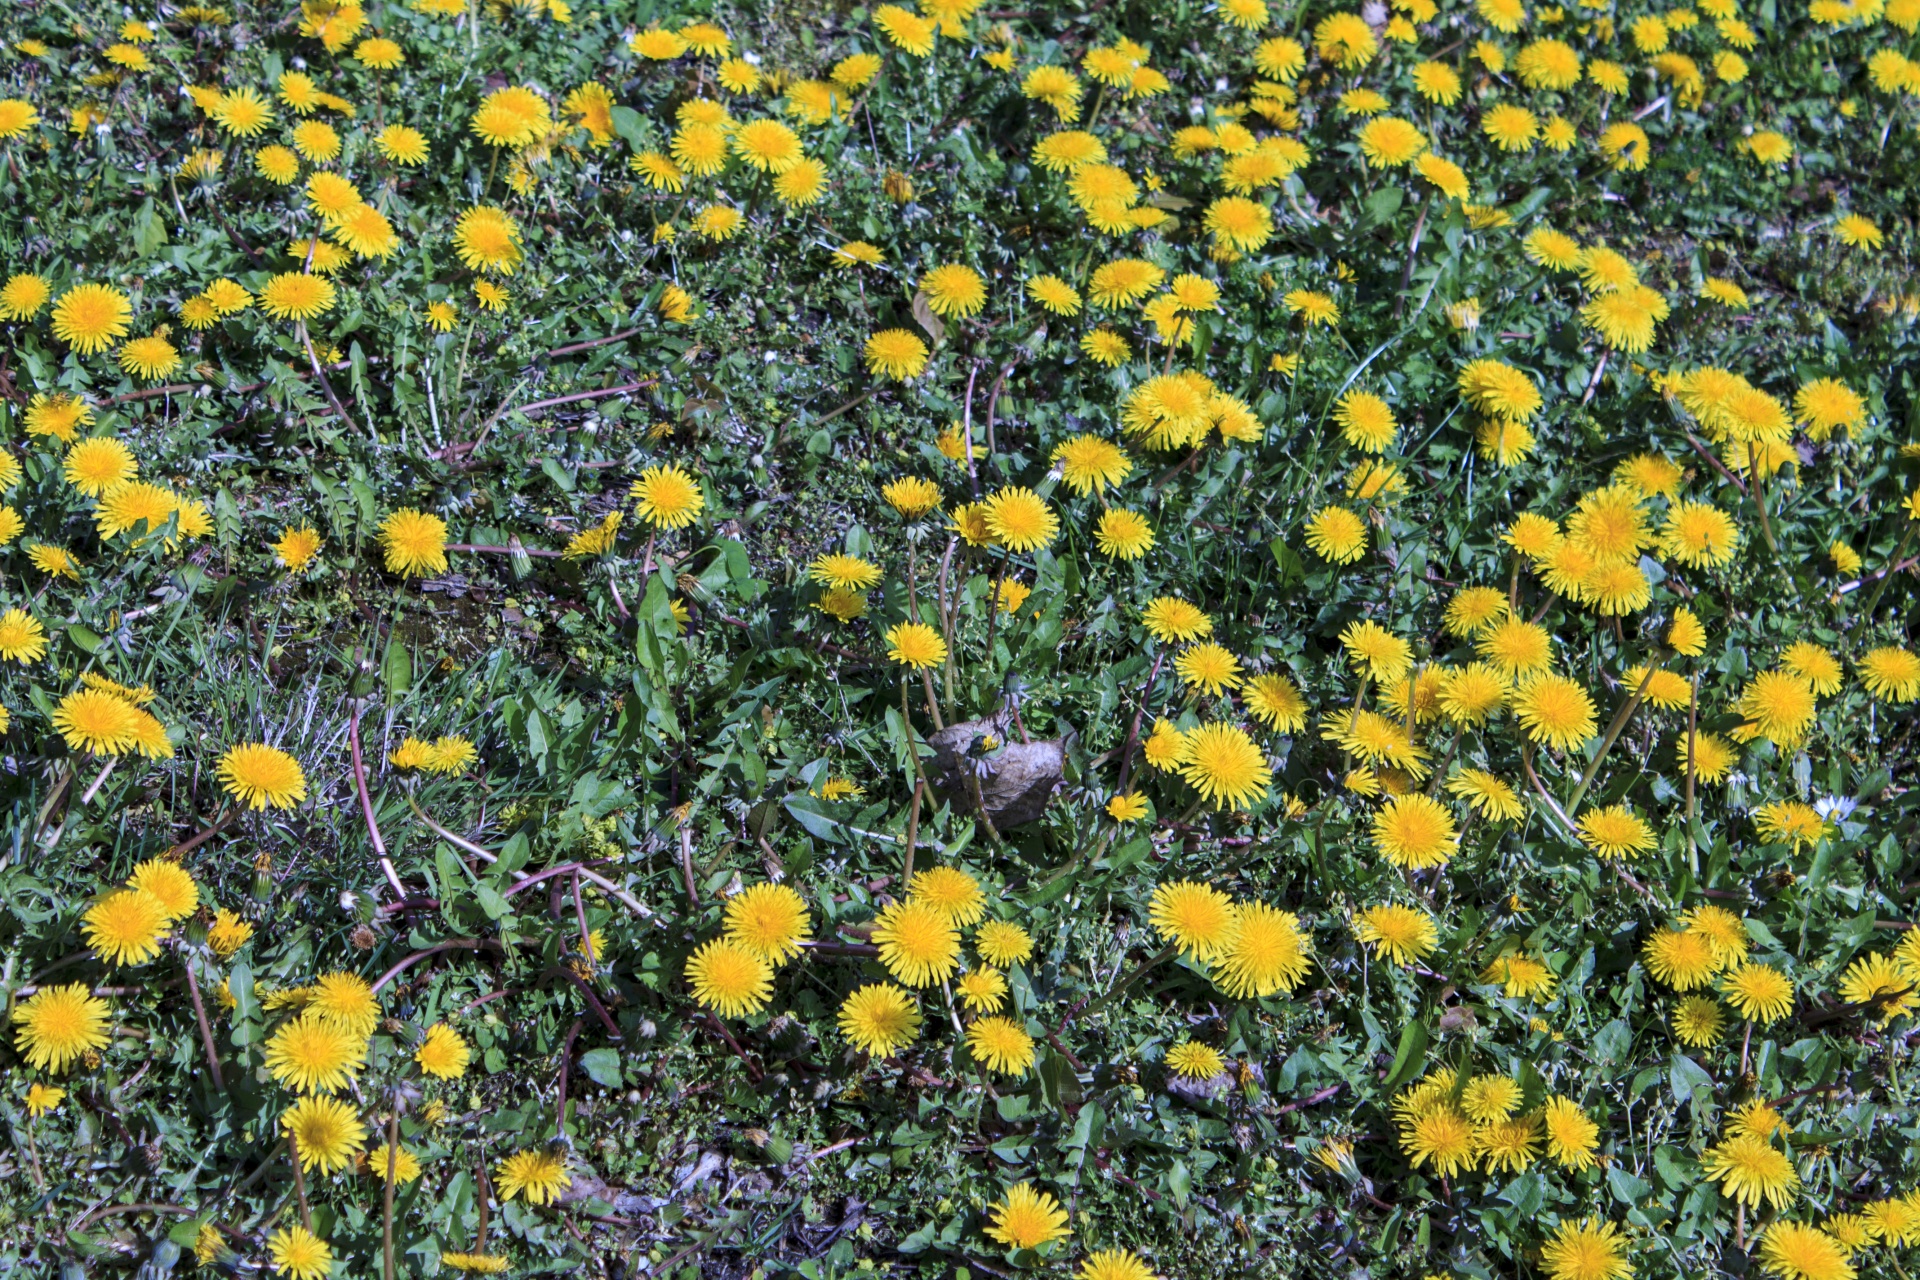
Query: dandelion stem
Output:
(1533,780)
(1760,498)
(1413,248)
(326,385)
(946,617)
(299,1182)
(366,805)
(386,1205)
(1620,719)
(913,579)
(913,747)
(1133,732)
(86,797)
(1165,953)
(53,797)
(959,1032)
(966,427)
(933,707)
(993,611)
(480,1180)
(913,831)
(686,863)
(1693,764)
(646,560)
(980,806)
(206,1029)
(1893,567)
(1359,695)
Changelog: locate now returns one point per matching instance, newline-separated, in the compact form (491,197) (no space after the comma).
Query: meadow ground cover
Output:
(1100,639)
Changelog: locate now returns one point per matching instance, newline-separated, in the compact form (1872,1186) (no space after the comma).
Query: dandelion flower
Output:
(1414,831)
(1587,1250)
(1799,1251)
(1239,223)
(1615,832)
(536,1175)
(769,919)
(1521,976)
(169,884)
(1089,464)
(1779,706)
(1681,959)
(90,317)
(1195,1061)
(895,353)
(1366,421)
(1002,1045)
(1700,534)
(443,1053)
(1020,519)
(1337,535)
(1828,405)
(1490,796)
(1312,306)
(1027,1219)
(1266,953)
(1376,652)
(1196,918)
(1891,674)
(1170,620)
(912,496)
(981,990)
(1752,1171)
(56,1025)
(1882,987)
(315,1054)
(259,776)
(487,239)
(730,978)
(1758,992)
(952,892)
(1346,40)
(1698,1021)
(1003,944)
(915,645)
(1225,766)
(299,1254)
(1858,232)
(667,497)
(954,291)
(918,943)
(1400,934)
(297,548)
(1554,711)
(23,296)
(326,1132)
(95,721)
(879,1019)
(1571,1136)
(22,638)
(1442,1139)
(1208,667)
(906,29)
(1389,141)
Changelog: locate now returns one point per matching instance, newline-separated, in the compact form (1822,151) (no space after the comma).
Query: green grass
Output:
(680,762)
